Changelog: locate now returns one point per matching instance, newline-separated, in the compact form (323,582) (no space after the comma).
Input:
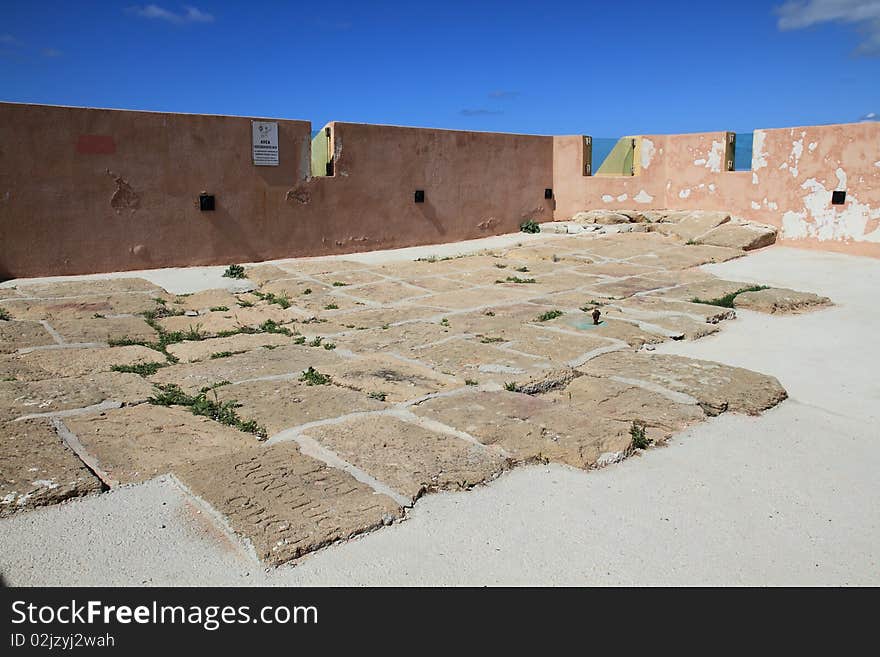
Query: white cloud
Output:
(870,116)
(863,14)
(188,15)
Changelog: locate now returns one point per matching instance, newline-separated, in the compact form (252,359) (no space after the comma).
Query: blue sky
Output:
(599,68)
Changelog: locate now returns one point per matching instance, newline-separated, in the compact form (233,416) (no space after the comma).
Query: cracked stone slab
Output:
(780,300)
(287,360)
(530,428)
(211,323)
(22,398)
(262,274)
(84,287)
(474,361)
(716,387)
(611,329)
(746,236)
(15,335)
(80,307)
(386,292)
(556,346)
(285,503)
(377,318)
(401,337)
(38,469)
(627,287)
(103,329)
(204,300)
(706,290)
(690,225)
(651,306)
(191,351)
(137,443)
(51,363)
(280,405)
(478,297)
(397,379)
(410,459)
(349,278)
(684,257)
(603,397)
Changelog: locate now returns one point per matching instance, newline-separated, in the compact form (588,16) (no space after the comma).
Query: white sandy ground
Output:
(786,498)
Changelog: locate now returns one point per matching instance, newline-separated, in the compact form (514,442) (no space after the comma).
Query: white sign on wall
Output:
(265,138)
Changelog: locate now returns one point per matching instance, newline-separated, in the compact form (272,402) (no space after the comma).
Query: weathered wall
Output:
(794,171)
(86,190)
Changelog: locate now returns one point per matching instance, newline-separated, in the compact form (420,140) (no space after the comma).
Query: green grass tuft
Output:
(234,271)
(637,431)
(530,226)
(144,369)
(550,314)
(312,377)
(727,300)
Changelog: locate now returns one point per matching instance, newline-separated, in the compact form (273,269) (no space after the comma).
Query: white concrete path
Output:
(786,498)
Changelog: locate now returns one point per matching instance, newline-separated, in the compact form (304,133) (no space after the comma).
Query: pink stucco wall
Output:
(90,190)
(794,172)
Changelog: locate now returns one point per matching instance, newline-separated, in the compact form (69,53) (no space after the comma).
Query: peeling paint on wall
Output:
(622,198)
(607,198)
(820,220)
(647,152)
(643,197)
(759,155)
(684,193)
(716,155)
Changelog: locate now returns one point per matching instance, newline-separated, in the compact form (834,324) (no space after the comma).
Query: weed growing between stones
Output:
(530,226)
(637,431)
(234,271)
(511,386)
(550,314)
(312,377)
(470,382)
(144,369)
(225,354)
(222,412)
(331,306)
(221,309)
(727,300)
(517,279)
(377,395)
(278,299)
(488,339)
(339,284)
(244,303)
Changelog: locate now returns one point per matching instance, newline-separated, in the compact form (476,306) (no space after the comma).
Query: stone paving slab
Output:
(408,458)
(38,469)
(21,398)
(778,300)
(739,236)
(285,503)
(554,345)
(706,290)
(386,292)
(16,335)
(530,428)
(402,336)
(280,405)
(650,305)
(52,363)
(377,318)
(682,257)
(55,289)
(80,307)
(478,363)
(717,388)
(203,301)
(611,329)
(103,329)
(349,278)
(191,351)
(292,360)
(137,443)
(398,380)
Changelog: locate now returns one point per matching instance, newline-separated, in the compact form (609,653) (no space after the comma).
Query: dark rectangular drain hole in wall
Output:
(420,196)
(548,193)
(206,202)
(838,198)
